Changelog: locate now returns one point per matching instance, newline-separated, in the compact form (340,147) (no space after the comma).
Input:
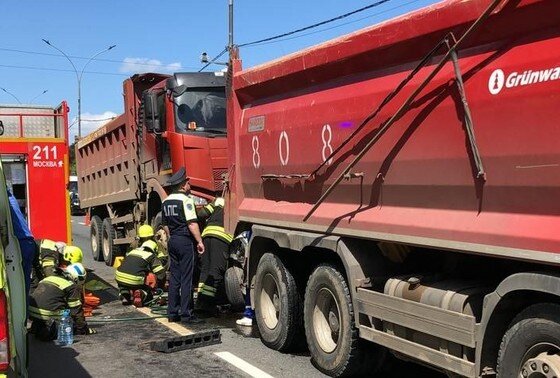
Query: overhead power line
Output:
(342,16)
(84,58)
(337,26)
(59,70)
(214,59)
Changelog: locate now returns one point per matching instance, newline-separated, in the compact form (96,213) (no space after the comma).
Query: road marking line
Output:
(181,330)
(242,365)
(82,223)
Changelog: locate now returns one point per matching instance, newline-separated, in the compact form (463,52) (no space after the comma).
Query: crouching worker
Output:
(131,274)
(53,295)
(49,256)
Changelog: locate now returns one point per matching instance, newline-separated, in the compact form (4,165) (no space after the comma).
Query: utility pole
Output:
(230,44)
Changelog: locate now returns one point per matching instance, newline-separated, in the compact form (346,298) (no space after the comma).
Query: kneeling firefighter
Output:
(214,262)
(131,274)
(55,294)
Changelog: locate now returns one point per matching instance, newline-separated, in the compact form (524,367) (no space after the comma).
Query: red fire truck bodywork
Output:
(437,168)
(36,138)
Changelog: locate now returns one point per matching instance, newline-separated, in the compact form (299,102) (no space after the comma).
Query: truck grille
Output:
(218,175)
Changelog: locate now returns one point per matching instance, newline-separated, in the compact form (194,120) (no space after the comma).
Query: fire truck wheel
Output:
(331,334)
(531,346)
(95,232)
(110,251)
(278,304)
(233,279)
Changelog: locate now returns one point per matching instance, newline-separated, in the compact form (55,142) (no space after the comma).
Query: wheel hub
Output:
(542,366)
(326,320)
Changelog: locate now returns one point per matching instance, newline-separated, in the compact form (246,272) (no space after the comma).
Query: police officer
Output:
(214,260)
(54,294)
(180,223)
(131,274)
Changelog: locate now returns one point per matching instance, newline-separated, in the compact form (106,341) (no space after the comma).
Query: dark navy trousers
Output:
(181,264)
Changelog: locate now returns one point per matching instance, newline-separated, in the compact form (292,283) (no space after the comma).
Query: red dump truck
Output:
(402,187)
(168,122)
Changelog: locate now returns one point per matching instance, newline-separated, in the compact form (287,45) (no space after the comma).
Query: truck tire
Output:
(332,336)
(531,346)
(110,251)
(233,279)
(278,304)
(160,235)
(95,233)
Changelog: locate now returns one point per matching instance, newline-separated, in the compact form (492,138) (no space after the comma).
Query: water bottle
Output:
(65,330)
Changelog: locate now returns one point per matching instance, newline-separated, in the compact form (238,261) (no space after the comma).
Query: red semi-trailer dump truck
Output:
(401,184)
(168,122)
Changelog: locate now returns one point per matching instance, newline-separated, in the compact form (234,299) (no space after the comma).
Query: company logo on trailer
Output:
(498,81)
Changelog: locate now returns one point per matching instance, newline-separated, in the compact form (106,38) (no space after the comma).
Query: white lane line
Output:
(242,365)
(82,223)
(181,330)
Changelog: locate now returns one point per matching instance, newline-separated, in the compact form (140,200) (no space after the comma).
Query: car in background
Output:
(75,208)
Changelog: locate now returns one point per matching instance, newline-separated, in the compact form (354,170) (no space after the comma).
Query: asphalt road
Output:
(120,349)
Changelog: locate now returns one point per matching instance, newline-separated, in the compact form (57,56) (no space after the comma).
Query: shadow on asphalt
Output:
(66,364)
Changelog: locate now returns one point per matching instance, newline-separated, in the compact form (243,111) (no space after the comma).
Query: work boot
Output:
(137,298)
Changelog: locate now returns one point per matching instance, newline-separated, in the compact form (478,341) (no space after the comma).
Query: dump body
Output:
(418,184)
(34,150)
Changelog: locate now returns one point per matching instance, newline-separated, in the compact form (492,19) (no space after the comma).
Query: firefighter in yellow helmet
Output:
(131,274)
(72,255)
(49,256)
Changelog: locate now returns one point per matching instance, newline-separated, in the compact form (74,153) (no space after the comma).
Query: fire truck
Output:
(34,152)
(169,121)
(402,185)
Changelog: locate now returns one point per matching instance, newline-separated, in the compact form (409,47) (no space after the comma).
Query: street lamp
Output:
(11,94)
(79,77)
(36,97)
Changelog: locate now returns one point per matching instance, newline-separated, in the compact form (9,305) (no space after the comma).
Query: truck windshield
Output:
(201,111)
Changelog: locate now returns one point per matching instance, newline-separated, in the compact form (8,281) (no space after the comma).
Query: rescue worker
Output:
(53,295)
(131,274)
(26,241)
(49,256)
(214,260)
(180,223)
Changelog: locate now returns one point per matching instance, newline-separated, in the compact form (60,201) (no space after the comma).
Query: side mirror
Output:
(151,115)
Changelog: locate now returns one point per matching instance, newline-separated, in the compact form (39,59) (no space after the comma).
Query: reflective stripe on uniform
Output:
(74,303)
(209,208)
(129,279)
(217,231)
(158,269)
(47,263)
(207,290)
(59,282)
(141,253)
(39,313)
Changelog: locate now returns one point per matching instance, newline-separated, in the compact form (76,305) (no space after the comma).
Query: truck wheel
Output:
(278,305)
(234,287)
(95,232)
(332,336)
(531,346)
(110,251)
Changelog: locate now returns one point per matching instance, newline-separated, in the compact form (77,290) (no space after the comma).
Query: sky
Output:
(151,36)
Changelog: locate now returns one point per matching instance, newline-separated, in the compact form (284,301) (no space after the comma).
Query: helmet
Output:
(77,272)
(60,246)
(72,254)
(145,231)
(219,201)
(151,245)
